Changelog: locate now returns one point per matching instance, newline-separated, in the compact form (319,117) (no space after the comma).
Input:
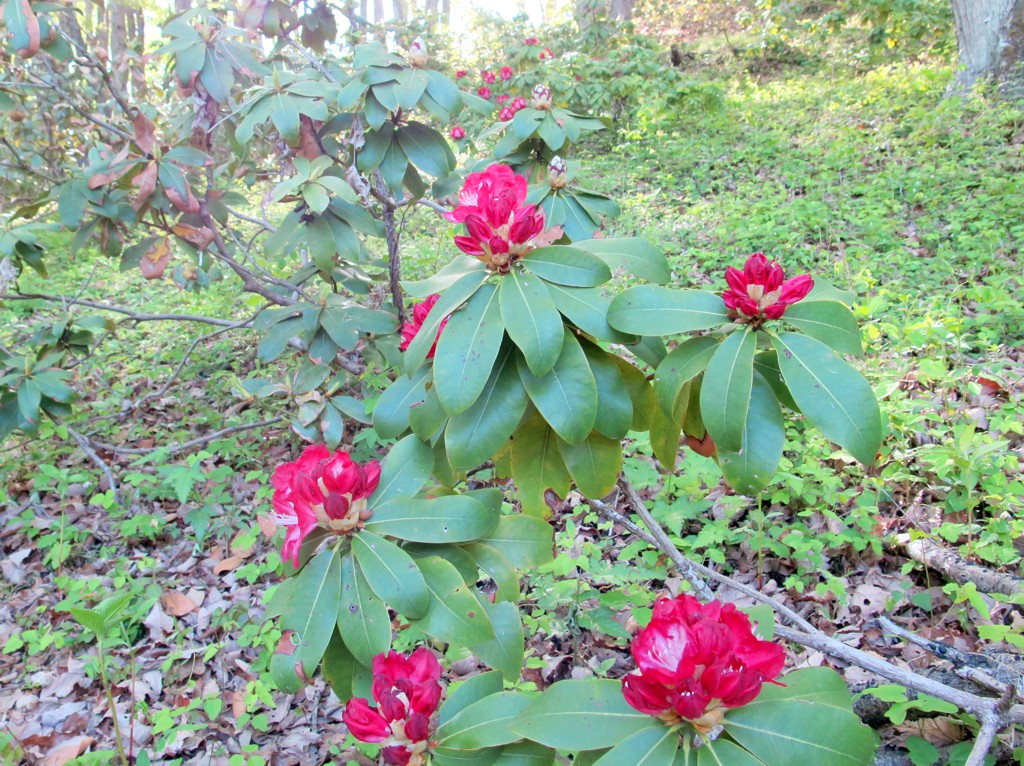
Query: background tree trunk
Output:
(622,9)
(990,36)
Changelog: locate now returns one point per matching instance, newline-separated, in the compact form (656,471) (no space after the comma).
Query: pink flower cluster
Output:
(407,690)
(457,132)
(508,112)
(694,661)
(420,312)
(761,291)
(500,226)
(321,489)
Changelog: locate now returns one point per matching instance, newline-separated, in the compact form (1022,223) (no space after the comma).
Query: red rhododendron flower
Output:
(694,661)
(483,92)
(506,72)
(503,98)
(321,489)
(506,113)
(530,41)
(500,226)
(488,76)
(419,315)
(407,690)
(518,103)
(457,132)
(460,73)
(758,292)
(545,54)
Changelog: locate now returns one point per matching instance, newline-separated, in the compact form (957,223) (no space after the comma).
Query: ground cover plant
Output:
(321,528)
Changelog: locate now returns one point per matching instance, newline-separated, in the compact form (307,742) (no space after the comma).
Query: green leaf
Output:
(375,147)
(826,291)
(594,464)
(455,615)
(391,413)
(587,308)
(568,266)
(579,224)
(363,619)
(273,343)
(614,407)
(410,86)
(450,300)
(526,541)
(473,689)
(526,754)
(537,466)
(391,573)
(216,75)
(505,651)
(426,149)
(640,393)
(753,467)
(685,362)
(428,418)
(587,714)
(665,439)
(721,752)
(476,435)
(525,122)
(497,568)
(29,397)
(446,519)
(313,609)
(467,350)
(653,746)
(637,256)
(484,723)
(551,132)
(285,115)
(449,274)
(833,395)
(449,756)
(394,165)
(567,395)
(653,310)
(404,471)
(725,394)
(443,91)
(339,667)
(767,364)
(531,320)
(784,732)
(830,322)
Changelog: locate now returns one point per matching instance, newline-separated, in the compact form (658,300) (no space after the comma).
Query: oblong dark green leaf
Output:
(526,541)
(505,651)
(828,321)
(451,756)
(683,363)
(313,608)
(428,417)
(614,406)
(526,754)
(471,690)
(587,714)
(363,619)
(654,310)
(449,274)
(531,319)
(426,148)
(654,746)
(484,723)
(404,471)
(725,393)
(391,573)
(391,413)
(834,396)
(467,349)
(497,567)
(752,468)
(455,614)
(587,308)
(339,666)
(567,395)
(450,300)
(594,464)
(447,519)
(640,393)
(722,752)
(537,466)
(567,266)
(637,256)
(476,435)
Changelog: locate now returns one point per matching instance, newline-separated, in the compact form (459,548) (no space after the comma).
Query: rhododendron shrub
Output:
(774,343)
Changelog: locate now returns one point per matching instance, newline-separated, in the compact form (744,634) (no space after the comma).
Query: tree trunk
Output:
(622,9)
(446,11)
(990,36)
(399,8)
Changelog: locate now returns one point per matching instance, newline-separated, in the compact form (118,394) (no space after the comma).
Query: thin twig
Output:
(990,727)
(198,442)
(135,316)
(685,567)
(83,442)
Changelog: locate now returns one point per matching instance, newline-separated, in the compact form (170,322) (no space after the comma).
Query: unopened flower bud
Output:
(541,97)
(457,133)
(418,53)
(556,172)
